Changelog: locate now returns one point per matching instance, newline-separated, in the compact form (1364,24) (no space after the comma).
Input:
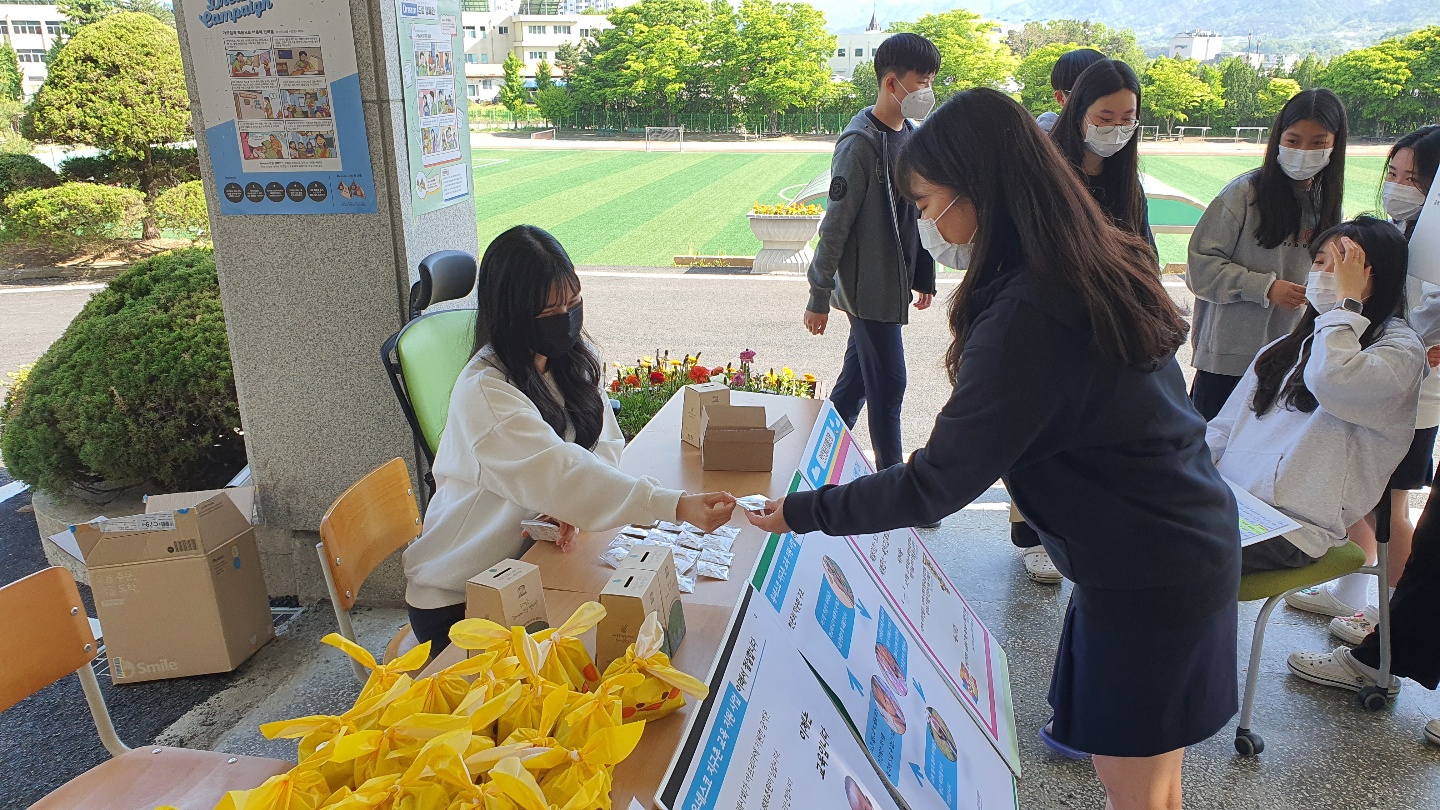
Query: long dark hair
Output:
(1388,255)
(1120,173)
(1033,211)
(1425,144)
(521,269)
(1274,190)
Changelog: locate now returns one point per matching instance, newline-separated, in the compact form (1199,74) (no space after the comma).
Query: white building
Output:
(490,36)
(856,49)
(30,28)
(1202,46)
(1255,60)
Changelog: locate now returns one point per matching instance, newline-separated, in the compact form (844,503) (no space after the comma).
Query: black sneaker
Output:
(934,525)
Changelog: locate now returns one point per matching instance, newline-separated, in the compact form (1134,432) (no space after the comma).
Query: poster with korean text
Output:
(437,124)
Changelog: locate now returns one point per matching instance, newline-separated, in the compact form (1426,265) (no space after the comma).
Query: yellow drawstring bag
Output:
(570,662)
(546,752)
(383,753)
(435,779)
(664,688)
(483,635)
(527,710)
(317,730)
(440,693)
(596,759)
(299,789)
(520,786)
(382,676)
(590,713)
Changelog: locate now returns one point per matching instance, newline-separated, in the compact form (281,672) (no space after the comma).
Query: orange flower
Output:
(700,374)
(717,371)
(614,385)
(632,380)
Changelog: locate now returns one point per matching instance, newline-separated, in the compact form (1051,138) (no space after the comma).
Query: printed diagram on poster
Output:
(769,739)
(920,733)
(947,629)
(282,110)
(436,116)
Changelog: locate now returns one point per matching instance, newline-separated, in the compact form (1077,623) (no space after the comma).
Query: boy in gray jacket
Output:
(869,259)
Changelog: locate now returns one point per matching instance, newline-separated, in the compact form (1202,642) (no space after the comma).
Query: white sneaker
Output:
(1319,600)
(1338,669)
(1432,731)
(1040,568)
(1354,629)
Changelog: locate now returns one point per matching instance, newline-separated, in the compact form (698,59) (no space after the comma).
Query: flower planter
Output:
(784,242)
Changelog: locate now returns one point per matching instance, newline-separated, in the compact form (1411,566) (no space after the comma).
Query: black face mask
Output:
(555,335)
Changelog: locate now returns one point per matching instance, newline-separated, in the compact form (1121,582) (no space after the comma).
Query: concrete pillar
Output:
(309,299)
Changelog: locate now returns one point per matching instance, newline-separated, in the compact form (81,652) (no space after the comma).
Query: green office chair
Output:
(425,358)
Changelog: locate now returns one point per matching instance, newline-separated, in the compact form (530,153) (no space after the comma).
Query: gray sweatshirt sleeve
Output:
(1217,433)
(1364,386)
(1426,317)
(1211,272)
(850,171)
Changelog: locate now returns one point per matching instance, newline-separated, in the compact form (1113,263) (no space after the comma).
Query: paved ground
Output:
(1323,751)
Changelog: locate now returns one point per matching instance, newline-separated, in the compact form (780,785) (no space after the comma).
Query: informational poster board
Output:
(919,732)
(1258,520)
(1425,241)
(281,100)
(949,631)
(437,122)
(768,737)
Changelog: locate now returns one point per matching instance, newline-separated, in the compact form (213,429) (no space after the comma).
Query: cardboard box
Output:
(179,592)
(735,438)
(629,596)
(661,560)
(509,594)
(697,397)
(244,498)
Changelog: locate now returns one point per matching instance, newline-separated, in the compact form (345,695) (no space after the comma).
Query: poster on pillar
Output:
(437,121)
(280,94)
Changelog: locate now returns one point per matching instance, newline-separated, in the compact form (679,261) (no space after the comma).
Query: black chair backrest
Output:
(444,276)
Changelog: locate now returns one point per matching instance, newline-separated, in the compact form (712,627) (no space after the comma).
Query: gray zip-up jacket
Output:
(1230,275)
(860,265)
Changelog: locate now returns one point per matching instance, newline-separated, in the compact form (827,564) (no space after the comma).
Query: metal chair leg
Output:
(342,617)
(1247,742)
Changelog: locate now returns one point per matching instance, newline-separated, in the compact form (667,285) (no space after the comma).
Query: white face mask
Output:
(949,254)
(917,104)
(1106,141)
(1402,203)
(1320,291)
(1303,164)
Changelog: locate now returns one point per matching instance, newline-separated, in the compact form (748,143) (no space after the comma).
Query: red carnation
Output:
(632,380)
(700,374)
(657,377)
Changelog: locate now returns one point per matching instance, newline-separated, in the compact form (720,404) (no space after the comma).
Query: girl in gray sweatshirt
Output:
(1323,415)
(1250,252)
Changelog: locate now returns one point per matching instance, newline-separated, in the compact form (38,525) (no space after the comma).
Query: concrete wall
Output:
(308,302)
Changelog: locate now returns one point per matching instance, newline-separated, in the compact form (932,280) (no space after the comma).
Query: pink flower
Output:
(738,379)
(747,356)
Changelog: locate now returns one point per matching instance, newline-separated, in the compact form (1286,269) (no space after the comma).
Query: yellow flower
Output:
(646,362)
(787,373)
(615,363)
(676,363)
(809,377)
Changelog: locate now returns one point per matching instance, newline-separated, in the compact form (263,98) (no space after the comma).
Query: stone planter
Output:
(784,242)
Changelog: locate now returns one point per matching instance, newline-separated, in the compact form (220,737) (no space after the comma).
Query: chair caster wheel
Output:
(1248,743)
(1372,698)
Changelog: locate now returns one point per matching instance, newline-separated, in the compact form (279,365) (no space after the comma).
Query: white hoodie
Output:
(499,463)
(1329,468)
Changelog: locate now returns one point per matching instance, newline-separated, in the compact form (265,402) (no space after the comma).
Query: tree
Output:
(1370,82)
(543,81)
(79,13)
(1273,96)
(643,61)
(1424,84)
(12,80)
(1172,91)
(969,56)
(783,53)
(1114,43)
(867,84)
(118,85)
(567,58)
(1215,102)
(556,104)
(1307,72)
(1033,76)
(1242,86)
(512,90)
(715,76)
(154,8)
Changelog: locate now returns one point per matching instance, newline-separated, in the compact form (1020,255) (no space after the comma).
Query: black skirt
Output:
(1130,683)
(1417,469)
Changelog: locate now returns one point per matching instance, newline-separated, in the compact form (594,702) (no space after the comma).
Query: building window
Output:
(32,56)
(840,52)
(484,58)
(584,32)
(488,84)
(475,5)
(470,32)
(52,27)
(537,55)
(534,29)
(562,29)
(502,29)
(25,26)
(472,58)
(472,89)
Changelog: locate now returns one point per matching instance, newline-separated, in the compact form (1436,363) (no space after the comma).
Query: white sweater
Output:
(1329,468)
(1425,319)
(500,463)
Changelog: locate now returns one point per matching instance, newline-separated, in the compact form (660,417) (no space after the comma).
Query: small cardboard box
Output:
(244,498)
(508,593)
(179,592)
(661,560)
(697,397)
(735,438)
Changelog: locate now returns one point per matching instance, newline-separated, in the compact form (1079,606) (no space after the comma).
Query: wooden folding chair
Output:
(373,519)
(45,636)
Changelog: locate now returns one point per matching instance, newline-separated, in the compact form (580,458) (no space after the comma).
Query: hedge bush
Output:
(172,165)
(71,215)
(182,208)
(138,388)
(22,173)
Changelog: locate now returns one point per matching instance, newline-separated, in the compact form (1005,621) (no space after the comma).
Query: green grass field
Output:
(637,208)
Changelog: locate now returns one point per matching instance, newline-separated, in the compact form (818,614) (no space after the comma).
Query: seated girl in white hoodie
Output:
(1323,415)
(528,434)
